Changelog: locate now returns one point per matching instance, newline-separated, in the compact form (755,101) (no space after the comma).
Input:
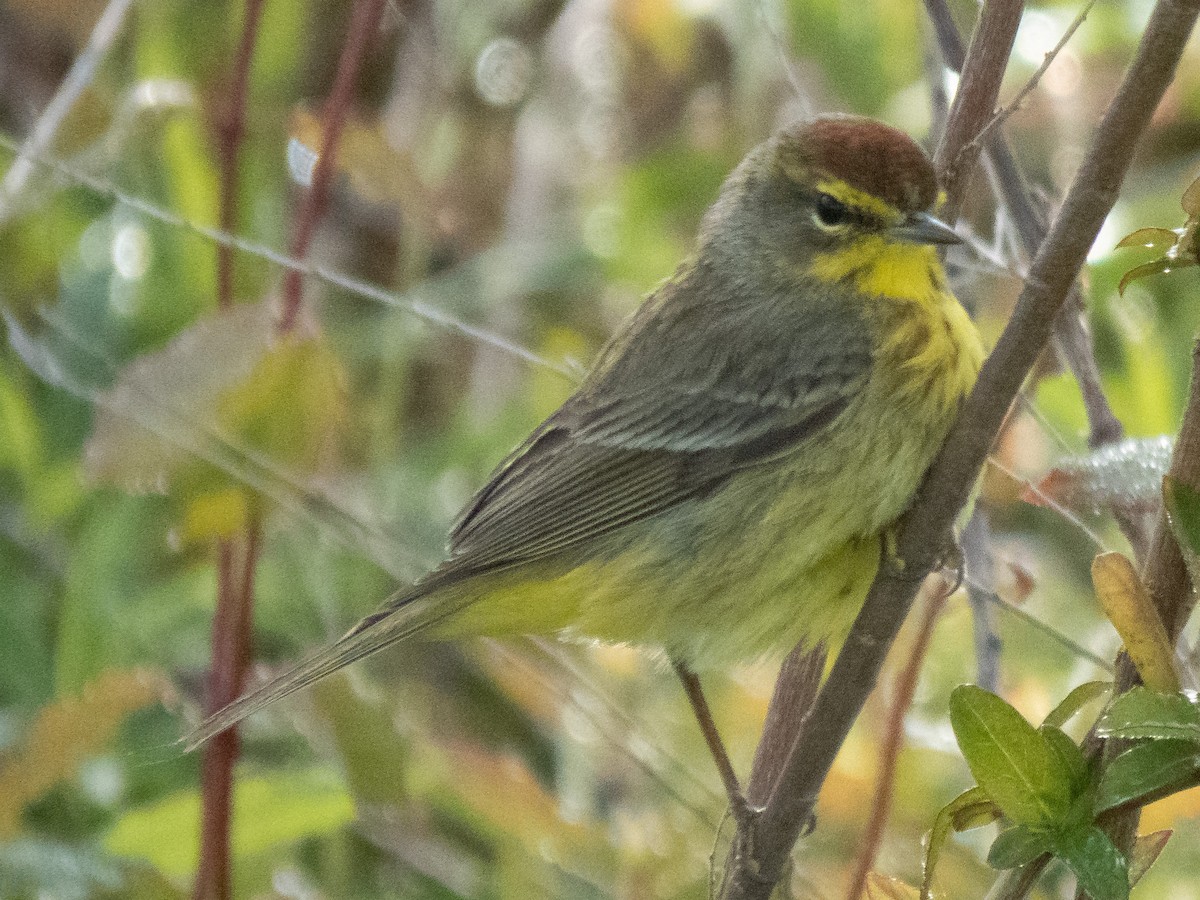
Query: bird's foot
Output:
(951,559)
(949,556)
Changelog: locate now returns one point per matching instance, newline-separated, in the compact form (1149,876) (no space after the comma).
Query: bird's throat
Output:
(883,268)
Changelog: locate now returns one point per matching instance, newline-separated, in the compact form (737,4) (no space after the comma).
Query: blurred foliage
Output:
(515,177)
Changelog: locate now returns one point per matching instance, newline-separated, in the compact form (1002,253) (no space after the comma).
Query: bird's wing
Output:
(655,425)
(629,446)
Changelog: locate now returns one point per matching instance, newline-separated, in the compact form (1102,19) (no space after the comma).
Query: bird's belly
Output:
(783,554)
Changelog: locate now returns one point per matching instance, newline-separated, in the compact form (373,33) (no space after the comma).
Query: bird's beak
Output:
(922,228)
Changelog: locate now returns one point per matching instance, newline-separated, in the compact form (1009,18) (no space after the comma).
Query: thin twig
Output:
(1045,628)
(976,543)
(904,688)
(367,291)
(1032,82)
(1071,335)
(756,863)
(82,72)
(982,73)
(364,22)
(1051,503)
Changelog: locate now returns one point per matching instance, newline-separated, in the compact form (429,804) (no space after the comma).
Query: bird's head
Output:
(838,198)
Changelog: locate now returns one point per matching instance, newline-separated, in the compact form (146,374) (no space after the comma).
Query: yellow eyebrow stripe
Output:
(857,199)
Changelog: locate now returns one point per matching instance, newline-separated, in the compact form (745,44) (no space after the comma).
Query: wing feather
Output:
(655,426)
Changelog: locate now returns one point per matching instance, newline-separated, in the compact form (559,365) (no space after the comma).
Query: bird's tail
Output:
(405,614)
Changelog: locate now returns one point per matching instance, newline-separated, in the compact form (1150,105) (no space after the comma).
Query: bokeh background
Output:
(514,177)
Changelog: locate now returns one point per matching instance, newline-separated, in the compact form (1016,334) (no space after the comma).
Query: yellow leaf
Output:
(290,407)
(1132,612)
(882,887)
(214,416)
(375,170)
(66,733)
(216,514)
(158,417)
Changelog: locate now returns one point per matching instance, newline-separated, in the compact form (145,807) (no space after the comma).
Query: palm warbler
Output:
(718,485)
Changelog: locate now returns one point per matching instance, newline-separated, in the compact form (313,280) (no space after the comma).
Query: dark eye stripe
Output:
(832,211)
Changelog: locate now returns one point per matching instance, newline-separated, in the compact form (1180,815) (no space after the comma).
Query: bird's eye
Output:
(831,211)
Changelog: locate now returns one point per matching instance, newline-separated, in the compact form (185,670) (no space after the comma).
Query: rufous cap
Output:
(868,155)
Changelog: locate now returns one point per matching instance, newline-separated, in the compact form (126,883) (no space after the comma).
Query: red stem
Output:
(235,596)
(231,131)
(230,661)
(364,22)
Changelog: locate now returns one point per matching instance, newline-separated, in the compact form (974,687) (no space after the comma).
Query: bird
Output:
(720,485)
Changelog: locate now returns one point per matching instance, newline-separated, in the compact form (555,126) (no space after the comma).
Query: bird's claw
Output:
(952,558)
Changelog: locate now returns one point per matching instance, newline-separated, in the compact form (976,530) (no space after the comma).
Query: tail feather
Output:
(400,619)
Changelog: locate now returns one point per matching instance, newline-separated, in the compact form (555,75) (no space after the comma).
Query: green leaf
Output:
(969,809)
(1075,701)
(1150,239)
(1009,758)
(271,811)
(1017,846)
(1182,504)
(1145,769)
(1143,713)
(1069,755)
(1098,865)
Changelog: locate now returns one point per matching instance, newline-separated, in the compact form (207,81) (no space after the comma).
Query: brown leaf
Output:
(67,732)
(1161,266)
(1146,850)
(1191,199)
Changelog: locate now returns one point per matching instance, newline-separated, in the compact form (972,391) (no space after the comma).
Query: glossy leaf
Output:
(1163,266)
(1147,768)
(1129,607)
(1009,758)
(1126,476)
(1150,239)
(1098,865)
(1017,846)
(1143,713)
